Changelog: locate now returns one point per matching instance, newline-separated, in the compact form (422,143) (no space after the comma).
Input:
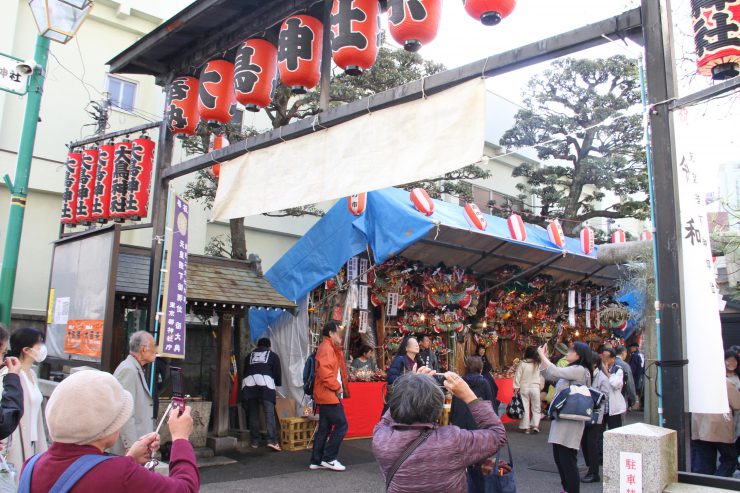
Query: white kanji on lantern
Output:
(555,232)
(475,217)
(516,228)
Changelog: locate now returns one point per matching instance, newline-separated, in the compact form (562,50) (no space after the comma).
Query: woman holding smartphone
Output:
(565,435)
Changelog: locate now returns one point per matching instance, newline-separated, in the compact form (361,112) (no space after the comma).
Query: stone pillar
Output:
(658,448)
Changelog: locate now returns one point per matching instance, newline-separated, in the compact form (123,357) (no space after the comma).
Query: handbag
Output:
(501,479)
(515,408)
(576,403)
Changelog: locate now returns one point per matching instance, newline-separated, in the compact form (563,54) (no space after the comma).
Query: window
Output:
(122,93)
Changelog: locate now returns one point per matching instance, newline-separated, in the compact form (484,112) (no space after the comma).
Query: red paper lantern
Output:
(587,240)
(218,142)
(422,201)
(414,23)
(182,111)
(489,12)
(139,177)
(86,190)
(299,52)
(71,185)
(216,92)
(516,228)
(646,235)
(354,34)
(555,233)
(357,203)
(254,73)
(119,183)
(475,217)
(103,180)
(618,236)
(717,37)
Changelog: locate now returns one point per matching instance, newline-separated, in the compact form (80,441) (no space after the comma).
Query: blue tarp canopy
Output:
(392,226)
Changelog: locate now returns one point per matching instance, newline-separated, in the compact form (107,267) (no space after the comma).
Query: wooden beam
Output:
(223,381)
(627,23)
(706,94)
(112,135)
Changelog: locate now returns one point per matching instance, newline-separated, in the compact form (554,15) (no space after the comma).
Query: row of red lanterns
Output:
(110,182)
(355,37)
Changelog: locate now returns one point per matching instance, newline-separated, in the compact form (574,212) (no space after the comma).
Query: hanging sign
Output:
(11,80)
(86,191)
(392,308)
(84,337)
(103,182)
(175,282)
(364,294)
(352,267)
(588,310)
(71,186)
(139,178)
(121,165)
(363,321)
(364,263)
(571,308)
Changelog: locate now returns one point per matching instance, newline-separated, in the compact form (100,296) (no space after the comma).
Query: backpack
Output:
(309,374)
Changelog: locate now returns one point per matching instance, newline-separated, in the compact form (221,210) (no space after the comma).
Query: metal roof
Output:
(210,279)
(205,29)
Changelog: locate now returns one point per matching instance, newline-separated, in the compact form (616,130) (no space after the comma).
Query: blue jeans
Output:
(331,421)
(254,420)
(704,458)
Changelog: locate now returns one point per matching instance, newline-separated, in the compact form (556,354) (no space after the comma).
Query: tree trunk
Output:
(238,239)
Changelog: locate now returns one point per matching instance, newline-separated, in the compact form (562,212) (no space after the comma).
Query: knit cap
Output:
(87,406)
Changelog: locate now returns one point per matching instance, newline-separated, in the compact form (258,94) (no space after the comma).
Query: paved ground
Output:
(266,471)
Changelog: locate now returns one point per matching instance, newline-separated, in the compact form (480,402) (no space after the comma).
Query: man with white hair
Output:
(130,373)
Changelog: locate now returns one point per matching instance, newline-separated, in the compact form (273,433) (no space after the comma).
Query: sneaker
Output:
(254,445)
(334,465)
(526,432)
(315,467)
(275,447)
(535,430)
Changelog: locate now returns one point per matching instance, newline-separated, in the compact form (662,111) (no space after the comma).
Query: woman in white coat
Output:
(528,382)
(30,437)
(617,403)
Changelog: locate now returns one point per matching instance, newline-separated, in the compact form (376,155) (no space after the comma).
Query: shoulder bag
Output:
(405,455)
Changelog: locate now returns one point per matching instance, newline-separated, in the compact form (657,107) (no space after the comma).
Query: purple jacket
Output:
(438,464)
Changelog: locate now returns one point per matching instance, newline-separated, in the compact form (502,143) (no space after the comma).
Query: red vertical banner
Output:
(139,177)
(71,185)
(121,164)
(86,191)
(103,181)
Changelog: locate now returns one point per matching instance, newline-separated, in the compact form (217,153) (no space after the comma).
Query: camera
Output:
(440,378)
(26,67)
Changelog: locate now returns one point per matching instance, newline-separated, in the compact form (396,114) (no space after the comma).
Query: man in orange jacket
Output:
(330,387)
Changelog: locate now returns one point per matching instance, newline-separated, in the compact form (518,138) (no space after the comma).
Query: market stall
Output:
(393,268)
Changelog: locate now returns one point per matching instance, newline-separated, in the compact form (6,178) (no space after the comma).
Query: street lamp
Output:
(57,20)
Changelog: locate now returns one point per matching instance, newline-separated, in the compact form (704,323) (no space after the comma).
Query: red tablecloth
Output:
(505,392)
(363,408)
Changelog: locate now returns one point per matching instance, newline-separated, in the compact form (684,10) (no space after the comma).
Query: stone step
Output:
(692,488)
(203,453)
(218,460)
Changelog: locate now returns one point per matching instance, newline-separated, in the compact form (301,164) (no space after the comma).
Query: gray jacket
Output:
(567,432)
(131,376)
(629,393)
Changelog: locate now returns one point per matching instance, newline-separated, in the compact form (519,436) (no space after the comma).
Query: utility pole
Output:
(19,189)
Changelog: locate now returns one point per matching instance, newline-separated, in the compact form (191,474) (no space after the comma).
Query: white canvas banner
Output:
(401,144)
(706,370)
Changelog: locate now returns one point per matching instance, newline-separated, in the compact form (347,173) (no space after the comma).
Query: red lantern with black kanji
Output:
(555,233)
(516,228)
(103,180)
(139,177)
(357,203)
(218,142)
(182,110)
(355,34)
(475,217)
(119,183)
(299,52)
(216,92)
(86,191)
(618,236)
(717,37)
(489,12)
(71,186)
(254,73)
(414,23)
(587,240)
(422,201)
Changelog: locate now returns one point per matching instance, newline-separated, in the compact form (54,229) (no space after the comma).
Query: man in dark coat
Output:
(262,374)
(11,406)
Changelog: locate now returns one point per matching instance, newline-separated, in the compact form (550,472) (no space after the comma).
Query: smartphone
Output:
(178,390)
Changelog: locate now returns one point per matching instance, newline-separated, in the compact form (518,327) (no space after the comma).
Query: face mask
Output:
(40,354)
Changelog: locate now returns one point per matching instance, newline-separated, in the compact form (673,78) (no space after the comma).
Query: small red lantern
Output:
(357,203)
(555,232)
(139,177)
(489,12)
(646,235)
(71,186)
(354,34)
(119,183)
(103,180)
(299,52)
(422,201)
(475,217)
(216,92)
(182,111)
(86,190)
(618,236)
(587,240)
(717,37)
(254,73)
(218,142)
(516,228)
(414,23)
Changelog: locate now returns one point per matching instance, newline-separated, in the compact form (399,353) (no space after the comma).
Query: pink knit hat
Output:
(87,406)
